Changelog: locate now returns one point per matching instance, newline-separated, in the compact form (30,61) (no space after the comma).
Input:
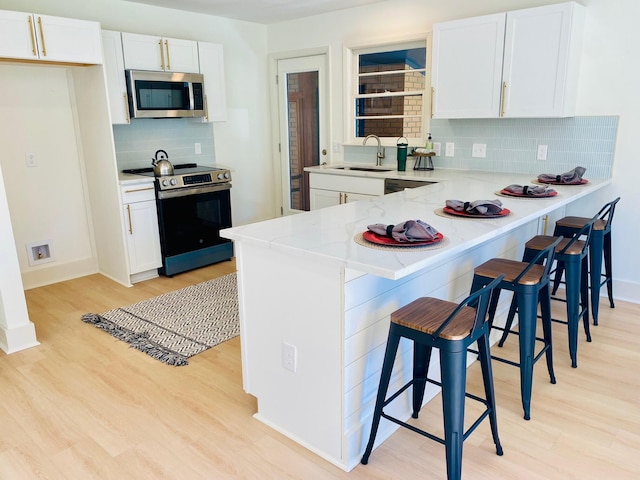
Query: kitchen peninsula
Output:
(315,304)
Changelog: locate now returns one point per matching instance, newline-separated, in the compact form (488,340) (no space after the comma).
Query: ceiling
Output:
(259,11)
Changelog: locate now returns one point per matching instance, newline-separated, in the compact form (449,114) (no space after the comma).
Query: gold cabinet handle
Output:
(130,224)
(546,222)
(161,54)
(166,45)
(504,97)
(33,36)
(138,190)
(340,201)
(44,47)
(433,91)
(345,198)
(126,108)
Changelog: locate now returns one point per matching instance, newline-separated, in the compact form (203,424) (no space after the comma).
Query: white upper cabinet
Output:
(467,67)
(212,68)
(146,52)
(523,63)
(30,36)
(114,71)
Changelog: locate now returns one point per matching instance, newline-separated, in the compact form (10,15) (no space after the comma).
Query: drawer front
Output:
(343,183)
(140,192)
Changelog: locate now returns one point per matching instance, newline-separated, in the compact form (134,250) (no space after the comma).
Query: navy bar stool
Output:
(599,246)
(572,252)
(530,283)
(451,328)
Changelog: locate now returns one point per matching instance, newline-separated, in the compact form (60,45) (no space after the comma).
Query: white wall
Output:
(47,202)
(609,71)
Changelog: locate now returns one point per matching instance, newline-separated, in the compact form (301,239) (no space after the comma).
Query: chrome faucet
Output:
(380,153)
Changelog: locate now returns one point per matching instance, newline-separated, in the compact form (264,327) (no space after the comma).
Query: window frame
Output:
(352,76)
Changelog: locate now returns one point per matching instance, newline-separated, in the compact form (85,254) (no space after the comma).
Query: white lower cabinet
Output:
(141,229)
(328,190)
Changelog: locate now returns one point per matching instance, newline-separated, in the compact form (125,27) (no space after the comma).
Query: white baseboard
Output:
(623,290)
(58,272)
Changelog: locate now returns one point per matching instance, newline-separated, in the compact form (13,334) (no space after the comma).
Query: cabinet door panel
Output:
(142,52)
(114,70)
(212,68)
(467,67)
(68,40)
(323,198)
(537,61)
(181,55)
(16,35)
(143,239)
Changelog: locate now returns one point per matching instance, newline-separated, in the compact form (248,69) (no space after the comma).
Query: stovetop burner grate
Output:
(150,169)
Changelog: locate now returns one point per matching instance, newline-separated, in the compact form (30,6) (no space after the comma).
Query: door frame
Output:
(274,58)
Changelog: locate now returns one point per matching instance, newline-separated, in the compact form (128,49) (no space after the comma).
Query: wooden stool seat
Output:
(511,270)
(579,222)
(426,314)
(540,242)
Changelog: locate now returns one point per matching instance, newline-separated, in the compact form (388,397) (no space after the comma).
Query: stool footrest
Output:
(424,433)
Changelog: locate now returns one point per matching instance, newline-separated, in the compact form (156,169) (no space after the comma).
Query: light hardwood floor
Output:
(83,405)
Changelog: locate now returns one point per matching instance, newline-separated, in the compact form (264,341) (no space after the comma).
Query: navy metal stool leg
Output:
(608,267)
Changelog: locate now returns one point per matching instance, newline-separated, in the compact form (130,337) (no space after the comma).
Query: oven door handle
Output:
(195,190)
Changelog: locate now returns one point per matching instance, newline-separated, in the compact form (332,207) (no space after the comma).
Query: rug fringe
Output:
(139,341)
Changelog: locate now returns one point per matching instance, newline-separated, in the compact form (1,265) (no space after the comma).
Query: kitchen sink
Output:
(365,169)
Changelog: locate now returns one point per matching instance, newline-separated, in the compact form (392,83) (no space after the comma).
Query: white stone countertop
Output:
(328,234)
(133,179)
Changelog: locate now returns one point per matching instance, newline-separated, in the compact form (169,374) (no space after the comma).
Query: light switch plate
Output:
(542,152)
(479,150)
(449,149)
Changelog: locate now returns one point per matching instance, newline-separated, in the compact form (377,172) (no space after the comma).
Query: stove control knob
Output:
(165,183)
(174,181)
(227,175)
(220,176)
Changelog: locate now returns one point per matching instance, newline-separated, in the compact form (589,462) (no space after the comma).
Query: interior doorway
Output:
(302,113)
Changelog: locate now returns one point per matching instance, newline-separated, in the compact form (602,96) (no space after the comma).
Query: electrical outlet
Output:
(542,152)
(31,159)
(436,148)
(289,354)
(479,150)
(449,149)
(198,148)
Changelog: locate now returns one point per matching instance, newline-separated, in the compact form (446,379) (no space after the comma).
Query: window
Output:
(389,92)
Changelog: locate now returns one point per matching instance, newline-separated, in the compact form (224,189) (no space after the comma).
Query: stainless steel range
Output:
(193,206)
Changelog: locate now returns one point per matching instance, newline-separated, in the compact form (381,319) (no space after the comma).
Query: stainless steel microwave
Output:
(165,94)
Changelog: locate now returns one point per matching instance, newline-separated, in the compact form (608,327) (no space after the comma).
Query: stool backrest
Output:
(584,231)
(606,212)
(478,300)
(544,257)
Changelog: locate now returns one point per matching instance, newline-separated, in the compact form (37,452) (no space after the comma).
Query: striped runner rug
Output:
(177,325)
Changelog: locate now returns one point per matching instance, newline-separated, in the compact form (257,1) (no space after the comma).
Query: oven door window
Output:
(194,221)
(157,95)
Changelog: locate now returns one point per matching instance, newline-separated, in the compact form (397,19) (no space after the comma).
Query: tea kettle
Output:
(161,164)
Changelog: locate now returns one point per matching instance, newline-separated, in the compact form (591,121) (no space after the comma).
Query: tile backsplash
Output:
(137,143)
(512,144)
